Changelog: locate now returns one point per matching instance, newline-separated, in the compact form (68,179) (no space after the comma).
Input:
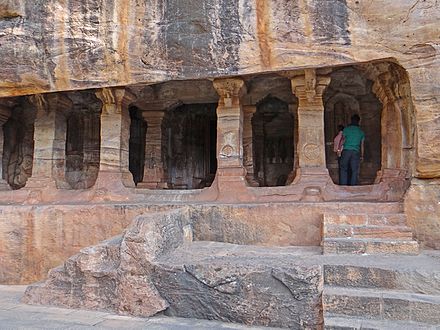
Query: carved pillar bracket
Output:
(309,88)
(230,166)
(115,133)
(154,168)
(5,113)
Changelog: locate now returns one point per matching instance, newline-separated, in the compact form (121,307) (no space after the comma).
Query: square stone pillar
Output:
(309,87)
(248,160)
(230,169)
(61,105)
(115,133)
(153,168)
(5,113)
(44,140)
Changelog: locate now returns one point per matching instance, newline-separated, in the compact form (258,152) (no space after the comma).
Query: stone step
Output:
(369,246)
(381,304)
(420,278)
(385,232)
(390,219)
(338,322)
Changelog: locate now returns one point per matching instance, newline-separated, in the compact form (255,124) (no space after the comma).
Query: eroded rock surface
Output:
(155,266)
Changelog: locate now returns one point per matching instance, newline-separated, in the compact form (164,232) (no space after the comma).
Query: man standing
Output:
(352,153)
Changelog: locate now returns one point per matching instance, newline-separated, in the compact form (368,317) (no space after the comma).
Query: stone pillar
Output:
(230,169)
(61,105)
(153,168)
(309,88)
(115,133)
(248,150)
(5,113)
(44,140)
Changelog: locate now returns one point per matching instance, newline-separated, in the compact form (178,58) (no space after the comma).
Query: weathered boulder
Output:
(116,274)
(155,266)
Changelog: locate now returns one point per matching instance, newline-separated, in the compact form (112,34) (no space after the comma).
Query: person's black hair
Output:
(340,128)
(355,119)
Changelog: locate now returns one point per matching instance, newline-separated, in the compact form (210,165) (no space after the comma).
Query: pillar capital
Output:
(229,90)
(59,101)
(309,87)
(40,103)
(114,99)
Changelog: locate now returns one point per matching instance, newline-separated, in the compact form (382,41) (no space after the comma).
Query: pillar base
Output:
(312,181)
(232,184)
(251,181)
(41,183)
(153,179)
(111,186)
(4,186)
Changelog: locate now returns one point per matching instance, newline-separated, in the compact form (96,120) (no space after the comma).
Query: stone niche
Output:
(83,132)
(18,148)
(349,93)
(190,146)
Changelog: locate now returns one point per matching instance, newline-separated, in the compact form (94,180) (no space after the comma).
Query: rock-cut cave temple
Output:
(177,157)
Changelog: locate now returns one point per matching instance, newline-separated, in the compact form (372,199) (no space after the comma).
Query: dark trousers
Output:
(349,167)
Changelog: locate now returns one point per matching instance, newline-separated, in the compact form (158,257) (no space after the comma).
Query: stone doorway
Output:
(273,142)
(349,93)
(83,137)
(190,148)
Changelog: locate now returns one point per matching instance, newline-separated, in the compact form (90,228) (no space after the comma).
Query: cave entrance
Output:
(83,139)
(190,151)
(273,126)
(138,132)
(349,93)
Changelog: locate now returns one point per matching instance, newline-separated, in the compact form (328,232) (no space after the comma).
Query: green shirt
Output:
(353,137)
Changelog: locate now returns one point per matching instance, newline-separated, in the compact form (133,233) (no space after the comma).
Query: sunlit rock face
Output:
(57,45)
(52,46)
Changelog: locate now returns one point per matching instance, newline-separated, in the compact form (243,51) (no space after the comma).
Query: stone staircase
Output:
(382,293)
(368,234)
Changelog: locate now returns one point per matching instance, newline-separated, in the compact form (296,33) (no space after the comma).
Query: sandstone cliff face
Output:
(64,45)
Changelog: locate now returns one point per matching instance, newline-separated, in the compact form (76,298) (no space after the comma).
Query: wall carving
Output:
(19,144)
